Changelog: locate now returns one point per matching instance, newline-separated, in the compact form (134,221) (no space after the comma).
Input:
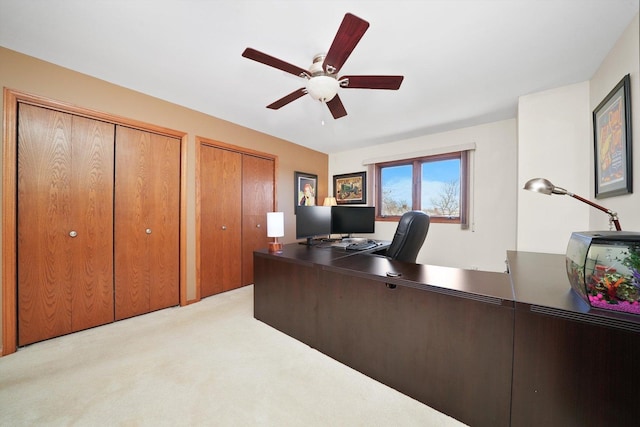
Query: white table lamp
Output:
(275,229)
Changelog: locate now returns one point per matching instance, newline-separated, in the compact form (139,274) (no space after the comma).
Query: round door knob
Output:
(224,227)
(148,231)
(73,233)
(258,226)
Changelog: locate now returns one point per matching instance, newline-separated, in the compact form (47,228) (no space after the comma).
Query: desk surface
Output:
(491,286)
(482,285)
(318,254)
(540,283)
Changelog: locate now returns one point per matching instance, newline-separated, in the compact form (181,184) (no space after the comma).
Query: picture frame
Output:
(612,142)
(350,188)
(305,186)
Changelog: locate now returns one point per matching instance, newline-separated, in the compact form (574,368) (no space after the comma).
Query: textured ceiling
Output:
(465,62)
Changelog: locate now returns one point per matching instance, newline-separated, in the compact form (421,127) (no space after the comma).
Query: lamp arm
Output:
(612,215)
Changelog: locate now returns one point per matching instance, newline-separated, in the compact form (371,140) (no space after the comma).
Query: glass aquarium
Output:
(604,269)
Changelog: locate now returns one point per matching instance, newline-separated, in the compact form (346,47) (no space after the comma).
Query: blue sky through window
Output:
(397,180)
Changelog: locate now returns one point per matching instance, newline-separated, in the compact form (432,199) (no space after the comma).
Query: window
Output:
(437,185)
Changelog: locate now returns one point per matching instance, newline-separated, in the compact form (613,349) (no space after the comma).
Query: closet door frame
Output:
(200,141)
(9,198)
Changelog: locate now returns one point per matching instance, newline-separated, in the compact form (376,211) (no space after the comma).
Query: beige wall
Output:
(26,74)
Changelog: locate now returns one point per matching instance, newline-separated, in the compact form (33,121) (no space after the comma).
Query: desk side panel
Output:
(285,296)
(453,354)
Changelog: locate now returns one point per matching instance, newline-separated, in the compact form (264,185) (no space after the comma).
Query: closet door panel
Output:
(44,209)
(257,199)
(221,220)
(92,248)
(131,240)
(164,214)
(65,246)
(147,217)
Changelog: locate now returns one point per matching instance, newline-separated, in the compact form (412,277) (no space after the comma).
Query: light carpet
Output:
(207,364)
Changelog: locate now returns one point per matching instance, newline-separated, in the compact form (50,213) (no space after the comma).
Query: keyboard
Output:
(361,246)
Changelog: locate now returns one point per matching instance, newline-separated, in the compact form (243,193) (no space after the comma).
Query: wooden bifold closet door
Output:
(236,192)
(221,220)
(65,223)
(257,199)
(98,222)
(147,215)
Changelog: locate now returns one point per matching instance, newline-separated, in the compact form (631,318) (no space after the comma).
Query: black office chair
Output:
(410,234)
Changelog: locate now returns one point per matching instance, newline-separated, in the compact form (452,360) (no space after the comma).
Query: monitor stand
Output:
(310,241)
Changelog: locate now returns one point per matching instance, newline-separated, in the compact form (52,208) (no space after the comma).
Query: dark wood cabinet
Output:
(573,366)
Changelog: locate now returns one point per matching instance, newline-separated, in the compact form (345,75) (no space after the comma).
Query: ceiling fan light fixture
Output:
(322,88)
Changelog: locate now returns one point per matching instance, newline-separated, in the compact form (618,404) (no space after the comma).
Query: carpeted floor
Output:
(207,364)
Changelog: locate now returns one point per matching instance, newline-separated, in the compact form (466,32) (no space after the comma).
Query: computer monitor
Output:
(353,219)
(312,222)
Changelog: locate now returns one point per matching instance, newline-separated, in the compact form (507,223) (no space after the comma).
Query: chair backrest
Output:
(410,234)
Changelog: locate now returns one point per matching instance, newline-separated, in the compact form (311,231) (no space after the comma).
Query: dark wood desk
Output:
(443,336)
(573,366)
(488,349)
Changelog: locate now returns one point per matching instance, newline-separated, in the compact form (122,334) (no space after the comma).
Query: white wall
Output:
(554,143)
(493,216)
(624,58)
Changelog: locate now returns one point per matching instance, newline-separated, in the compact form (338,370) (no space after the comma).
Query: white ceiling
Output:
(465,62)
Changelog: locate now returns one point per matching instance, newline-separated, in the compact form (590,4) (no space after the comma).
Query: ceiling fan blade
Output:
(372,82)
(273,62)
(287,99)
(349,34)
(336,107)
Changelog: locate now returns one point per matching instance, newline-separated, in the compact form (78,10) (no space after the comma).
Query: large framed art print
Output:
(612,140)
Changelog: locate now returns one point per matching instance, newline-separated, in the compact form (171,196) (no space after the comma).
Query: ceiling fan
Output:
(322,81)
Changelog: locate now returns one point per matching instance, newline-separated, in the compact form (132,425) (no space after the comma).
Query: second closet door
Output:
(221,219)
(257,199)
(147,214)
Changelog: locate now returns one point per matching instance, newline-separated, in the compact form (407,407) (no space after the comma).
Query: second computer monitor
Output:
(353,219)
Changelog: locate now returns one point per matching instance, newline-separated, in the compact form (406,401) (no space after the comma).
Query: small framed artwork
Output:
(305,185)
(612,140)
(350,188)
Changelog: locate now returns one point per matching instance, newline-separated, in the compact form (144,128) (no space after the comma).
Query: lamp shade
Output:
(544,186)
(330,201)
(275,224)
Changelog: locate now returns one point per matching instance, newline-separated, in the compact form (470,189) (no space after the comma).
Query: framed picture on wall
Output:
(612,140)
(350,188)
(305,186)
